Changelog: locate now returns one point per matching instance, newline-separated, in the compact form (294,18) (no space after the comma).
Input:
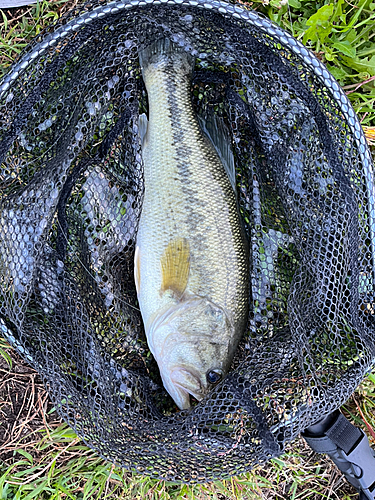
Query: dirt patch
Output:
(25,408)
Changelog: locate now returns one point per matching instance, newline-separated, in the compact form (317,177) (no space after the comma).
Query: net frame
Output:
(166,457)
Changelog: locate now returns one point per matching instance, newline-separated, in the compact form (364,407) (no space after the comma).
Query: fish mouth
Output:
(181,385)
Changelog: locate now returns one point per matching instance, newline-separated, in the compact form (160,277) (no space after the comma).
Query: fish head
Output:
(194,349)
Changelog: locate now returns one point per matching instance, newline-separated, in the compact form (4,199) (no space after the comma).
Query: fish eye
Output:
(214,376)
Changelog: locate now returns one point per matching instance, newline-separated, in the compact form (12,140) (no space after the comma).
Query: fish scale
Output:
(189,210)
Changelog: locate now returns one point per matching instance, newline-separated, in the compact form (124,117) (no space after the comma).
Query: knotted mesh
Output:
(71,195)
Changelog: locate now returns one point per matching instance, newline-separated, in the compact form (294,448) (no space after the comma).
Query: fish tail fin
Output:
(163,48)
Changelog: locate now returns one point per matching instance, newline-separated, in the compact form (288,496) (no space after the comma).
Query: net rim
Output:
(307,58)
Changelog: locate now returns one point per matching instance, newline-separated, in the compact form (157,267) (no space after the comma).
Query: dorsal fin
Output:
(175,266)
(217,132)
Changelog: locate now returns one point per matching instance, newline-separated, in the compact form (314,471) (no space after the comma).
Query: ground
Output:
(32,435)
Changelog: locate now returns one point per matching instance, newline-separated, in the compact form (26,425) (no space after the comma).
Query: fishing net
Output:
(71,196)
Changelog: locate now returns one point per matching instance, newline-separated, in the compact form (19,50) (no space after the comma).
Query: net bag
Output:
(71,195)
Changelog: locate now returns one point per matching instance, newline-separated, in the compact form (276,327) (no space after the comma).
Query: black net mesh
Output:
(71,195)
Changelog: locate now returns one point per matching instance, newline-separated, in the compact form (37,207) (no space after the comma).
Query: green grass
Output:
(341,33)
(48,461)
(4,347)
(19,26)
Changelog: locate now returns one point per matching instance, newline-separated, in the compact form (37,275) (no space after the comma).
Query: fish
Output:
(191,262)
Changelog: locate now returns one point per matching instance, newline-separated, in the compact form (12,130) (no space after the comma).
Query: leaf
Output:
(320,27)
(368,20)
(338,72)
(36,492)
(279,462)
(294,3)
(328,53)
(338,13)
(345,47)
(5,20)
(351,36)
(321,16)
(25,454)
(363,65)
(366,52)
(314,34)
(6,356)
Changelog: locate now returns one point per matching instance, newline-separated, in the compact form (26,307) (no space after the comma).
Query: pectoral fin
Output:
(142,128)
(175,266)
(137,269)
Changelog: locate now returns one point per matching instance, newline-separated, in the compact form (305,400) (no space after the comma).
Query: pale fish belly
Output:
(191,263)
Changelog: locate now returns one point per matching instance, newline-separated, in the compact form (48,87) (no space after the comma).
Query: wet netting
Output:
(71,186)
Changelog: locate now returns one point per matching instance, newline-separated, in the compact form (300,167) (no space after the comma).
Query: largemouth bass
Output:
(191,263)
